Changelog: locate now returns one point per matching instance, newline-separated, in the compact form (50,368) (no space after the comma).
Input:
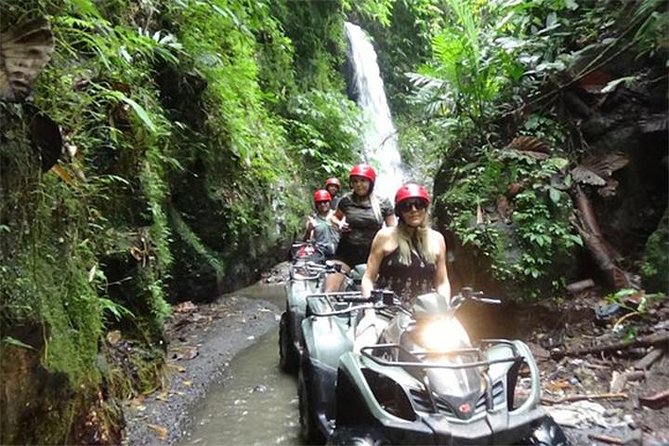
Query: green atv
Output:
(306,277)
(423,383)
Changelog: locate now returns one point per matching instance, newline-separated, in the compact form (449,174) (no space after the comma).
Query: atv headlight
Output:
(440,335)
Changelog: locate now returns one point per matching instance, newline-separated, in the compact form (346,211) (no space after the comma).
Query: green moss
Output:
(185,119)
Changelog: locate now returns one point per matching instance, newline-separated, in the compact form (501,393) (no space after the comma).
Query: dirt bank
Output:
(202,341)
(606,381)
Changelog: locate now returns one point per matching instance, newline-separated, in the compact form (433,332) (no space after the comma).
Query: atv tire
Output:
(547,433)
(288,356)
(309,430)
(355,437)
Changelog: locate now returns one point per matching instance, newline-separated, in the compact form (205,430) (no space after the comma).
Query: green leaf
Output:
(116,309)
(612,85)
(85,7)
(554,194)
(560,163)
(571,4)
(142,114)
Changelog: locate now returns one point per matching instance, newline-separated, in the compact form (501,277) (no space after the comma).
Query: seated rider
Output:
(333,185)
(359,215)
(319,228)
(410,258)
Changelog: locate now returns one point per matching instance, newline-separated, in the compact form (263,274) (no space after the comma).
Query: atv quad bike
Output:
(306,276)
(424,383)
(327,333)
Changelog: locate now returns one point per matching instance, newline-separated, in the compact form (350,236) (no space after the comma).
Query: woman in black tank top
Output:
(410,258)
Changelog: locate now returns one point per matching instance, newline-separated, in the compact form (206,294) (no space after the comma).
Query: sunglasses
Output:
(407,205)
(322,202)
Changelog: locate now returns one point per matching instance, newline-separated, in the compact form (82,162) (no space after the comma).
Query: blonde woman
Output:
(409,258)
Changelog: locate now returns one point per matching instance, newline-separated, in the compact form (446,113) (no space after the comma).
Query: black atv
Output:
(424,383)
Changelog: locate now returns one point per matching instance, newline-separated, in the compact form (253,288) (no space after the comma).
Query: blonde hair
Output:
(419,243)
(376,207)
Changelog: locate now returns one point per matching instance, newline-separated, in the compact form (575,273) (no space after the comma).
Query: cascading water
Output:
(380,139)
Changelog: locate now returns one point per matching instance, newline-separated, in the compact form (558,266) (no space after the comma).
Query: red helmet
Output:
(322,195)
(411,190)
(363,170)
(333,182)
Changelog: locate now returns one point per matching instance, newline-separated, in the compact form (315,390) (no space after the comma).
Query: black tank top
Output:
(407,281)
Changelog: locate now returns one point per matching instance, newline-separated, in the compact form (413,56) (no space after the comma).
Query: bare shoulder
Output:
(386,232)
(437,237)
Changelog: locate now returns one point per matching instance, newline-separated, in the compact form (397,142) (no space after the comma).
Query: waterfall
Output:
(380,138)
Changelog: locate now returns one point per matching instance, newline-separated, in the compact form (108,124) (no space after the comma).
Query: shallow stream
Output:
(255,404)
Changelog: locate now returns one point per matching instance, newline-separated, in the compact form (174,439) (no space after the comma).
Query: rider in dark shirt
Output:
(333,185)
(318,226)
(406,280)
(359,215)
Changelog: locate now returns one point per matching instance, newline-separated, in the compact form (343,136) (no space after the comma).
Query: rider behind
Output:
(359,215)
(410,258)
(333,185)
(319,228)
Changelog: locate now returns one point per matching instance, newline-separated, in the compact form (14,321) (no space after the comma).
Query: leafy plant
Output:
(636,303)
(326,129)
(530,242)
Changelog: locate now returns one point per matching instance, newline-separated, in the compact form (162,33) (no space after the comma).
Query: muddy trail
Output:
(604,367)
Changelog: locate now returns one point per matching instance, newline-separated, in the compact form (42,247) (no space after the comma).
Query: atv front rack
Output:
(421,356)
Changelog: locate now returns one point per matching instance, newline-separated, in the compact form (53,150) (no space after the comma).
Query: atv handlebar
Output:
(380,298)
(348,297)
(315,269)
(326,267)
(466,293)
(422,359)
(390,299)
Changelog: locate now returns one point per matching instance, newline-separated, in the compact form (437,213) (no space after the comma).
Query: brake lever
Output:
(487,300)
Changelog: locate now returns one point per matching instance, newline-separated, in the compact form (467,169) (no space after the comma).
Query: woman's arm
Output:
(441,282)
(373,263)
(391,220)
(308,229)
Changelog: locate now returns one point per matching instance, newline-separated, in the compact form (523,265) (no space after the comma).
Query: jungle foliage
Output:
(481,74)
(193,130)
(186,126)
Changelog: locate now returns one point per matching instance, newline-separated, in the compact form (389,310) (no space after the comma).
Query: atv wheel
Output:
(288,358)
(308,423)
(547,433)
(355,437)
